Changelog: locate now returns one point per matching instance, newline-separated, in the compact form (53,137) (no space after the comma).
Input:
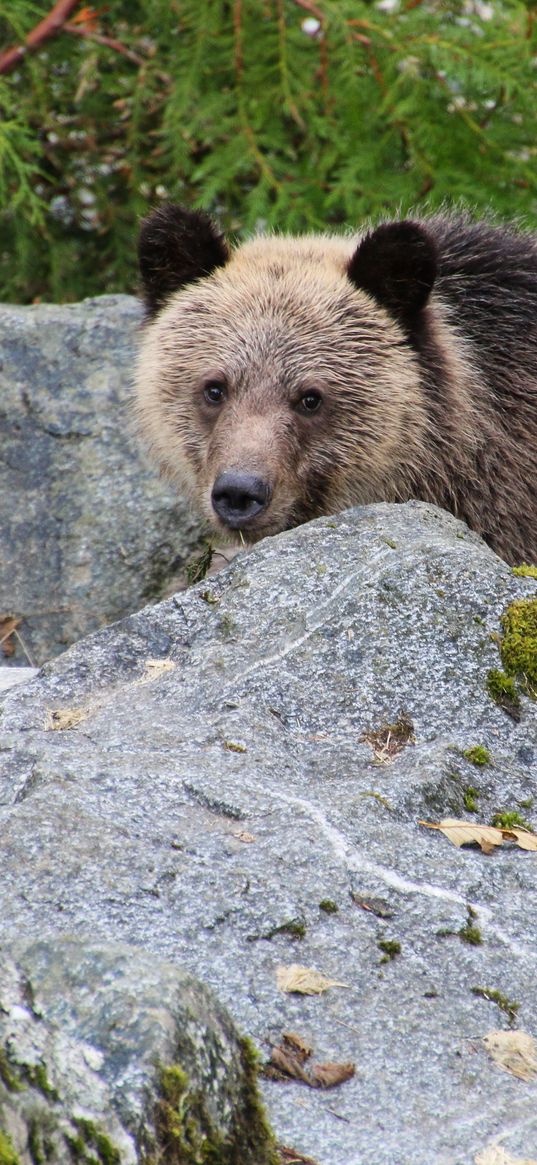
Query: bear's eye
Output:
(214,392)
(310,402)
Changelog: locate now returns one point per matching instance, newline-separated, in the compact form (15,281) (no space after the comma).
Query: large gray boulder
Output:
(205,781)
(88,532)
(110,1057)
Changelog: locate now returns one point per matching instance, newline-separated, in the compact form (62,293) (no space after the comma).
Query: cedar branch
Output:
(309,7)
(108,41)
(48,27)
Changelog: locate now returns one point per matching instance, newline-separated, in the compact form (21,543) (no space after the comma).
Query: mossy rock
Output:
(185,1130)
(519,644)
(8,1156)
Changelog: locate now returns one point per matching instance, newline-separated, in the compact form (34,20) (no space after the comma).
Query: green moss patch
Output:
(470,932)
(186,1132)
(503,690)
(199,565)
(525,571)
(518,650)
(8,1074)
(519,644)
(8,1156)
(328,906)
(293,927)
(509,1007)
(36,1075)
(471,799)
(477,755)
(391,949)
(510,819)
(91,1146)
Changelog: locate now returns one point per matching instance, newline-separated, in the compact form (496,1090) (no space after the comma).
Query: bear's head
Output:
(280,380)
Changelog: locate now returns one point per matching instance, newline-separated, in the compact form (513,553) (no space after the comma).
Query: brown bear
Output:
(293,377)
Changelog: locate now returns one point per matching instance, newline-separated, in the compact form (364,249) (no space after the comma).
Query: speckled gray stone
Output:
(88,532)
(87,1033)
(200,808)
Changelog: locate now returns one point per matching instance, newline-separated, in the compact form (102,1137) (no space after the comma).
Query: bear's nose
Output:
(238,497)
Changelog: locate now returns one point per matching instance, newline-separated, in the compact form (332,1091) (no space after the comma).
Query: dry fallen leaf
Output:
(389,740)
(299,1045)
(292,1157)
(59,719)
(378,906)
(329,1074)
(523,837)
(243,835)
(464,832)
(154,668)
(290,1059)
(495,1155)
(487,836)
(8,624)
(514,1052)
(304,980)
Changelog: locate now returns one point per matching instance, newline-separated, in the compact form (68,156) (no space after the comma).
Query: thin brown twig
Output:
(309,7)
(48,27)
(237,30)
(108,41)
(25,649)
(319,15)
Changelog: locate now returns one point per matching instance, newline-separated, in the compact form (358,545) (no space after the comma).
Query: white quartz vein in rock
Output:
(354,860)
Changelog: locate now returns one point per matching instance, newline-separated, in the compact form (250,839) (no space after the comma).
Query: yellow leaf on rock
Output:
(514,1052)
(523,837)
(244,835)
(465,832)
(487,836)
(60,719)
(304,980)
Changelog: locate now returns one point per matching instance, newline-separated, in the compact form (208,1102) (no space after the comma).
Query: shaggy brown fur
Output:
(293,377)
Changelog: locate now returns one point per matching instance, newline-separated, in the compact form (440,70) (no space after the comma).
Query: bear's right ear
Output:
(175,247)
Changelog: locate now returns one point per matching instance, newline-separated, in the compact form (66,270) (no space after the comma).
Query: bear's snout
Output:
(238,497)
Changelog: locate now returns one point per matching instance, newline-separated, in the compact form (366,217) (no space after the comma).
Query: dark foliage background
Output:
(282,113)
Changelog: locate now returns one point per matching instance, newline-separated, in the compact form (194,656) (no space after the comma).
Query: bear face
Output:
(275,388)
(293,377)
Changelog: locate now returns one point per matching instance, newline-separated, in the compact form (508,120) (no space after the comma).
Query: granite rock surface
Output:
(214,780)
(105,1052)
(88,533)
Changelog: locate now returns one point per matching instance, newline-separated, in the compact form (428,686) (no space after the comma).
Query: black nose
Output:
(237,497)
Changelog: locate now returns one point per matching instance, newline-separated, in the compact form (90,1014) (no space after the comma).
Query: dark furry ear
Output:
(176,246)
(396,264)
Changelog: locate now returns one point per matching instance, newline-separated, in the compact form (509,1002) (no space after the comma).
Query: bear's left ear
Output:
(175,247)
(396,264)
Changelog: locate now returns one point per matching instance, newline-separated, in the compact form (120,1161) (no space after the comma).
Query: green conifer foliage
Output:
(287,114)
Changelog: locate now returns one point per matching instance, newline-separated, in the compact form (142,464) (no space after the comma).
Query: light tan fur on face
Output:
(428,379)
(281,318)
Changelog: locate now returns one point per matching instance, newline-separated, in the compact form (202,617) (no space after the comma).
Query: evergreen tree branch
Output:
(108,42)
(309,7)
(284,71)
(303,124)
(48,27)
(319,15)
(262,164)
